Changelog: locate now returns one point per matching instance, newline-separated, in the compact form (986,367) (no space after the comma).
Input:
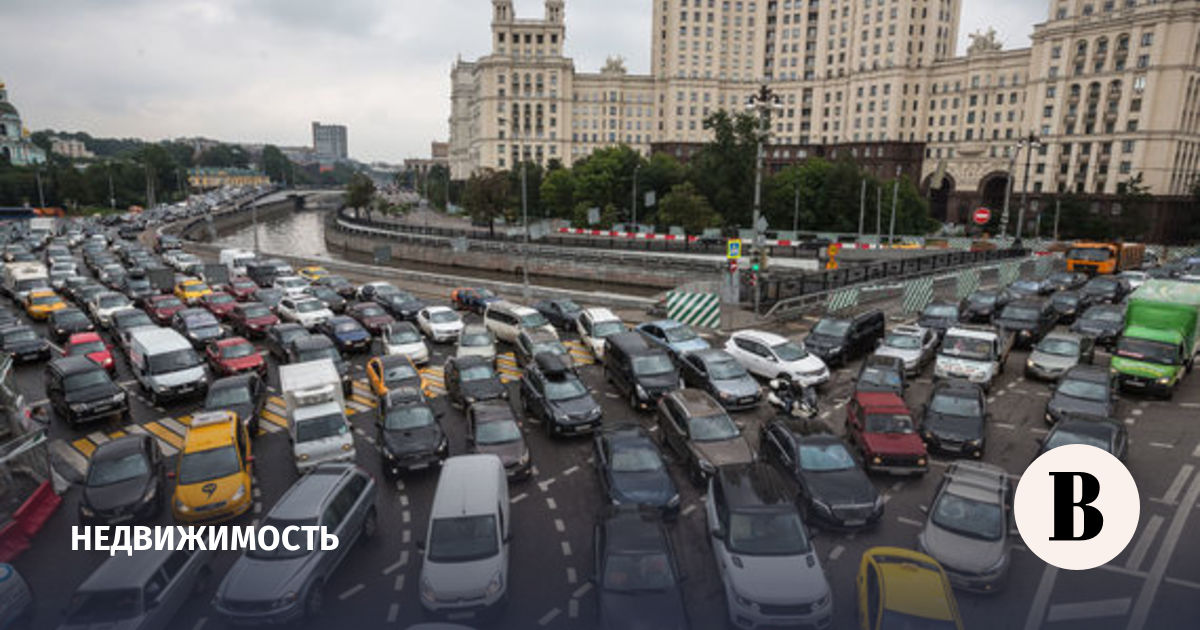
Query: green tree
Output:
(436,185)
(224,155)
(605,178)
(359,192)
(723,171)
(275,164)
(686,207)
(558,193)
(533,190)
(486,196)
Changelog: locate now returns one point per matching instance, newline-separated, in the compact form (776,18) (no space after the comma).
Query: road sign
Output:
(733,265)
(593,216)
(733,248)
(982,216)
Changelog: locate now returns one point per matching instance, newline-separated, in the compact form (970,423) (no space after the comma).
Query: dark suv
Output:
(1027,320)
(315,348)
(80,391)
(837,340)
(410,436)
(553,393)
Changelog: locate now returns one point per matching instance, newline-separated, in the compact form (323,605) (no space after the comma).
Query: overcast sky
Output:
(262,70)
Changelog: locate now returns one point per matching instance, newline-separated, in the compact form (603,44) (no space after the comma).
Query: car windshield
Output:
(103,607)
(463,539)
(256,311)
(243,284)
(1146,350)
(44,300)
(725,369)
(88,347)
(372,311)
(565,389)
(279,552)
(712,428)
(21,335)
(889,423)
(1025,286)
(679,334)
(408,417)
(172,302)
(1061,278)
(831,327)
(1066,299)
(550,346)
(760,533)
(963,406)
(127,319)
(1019,313)
(399,372)
(1093,254)
(533,320)
(220,298)
(237,351)
(497,432)
(652,365)
(213,463)
(604,329)
(345,327)
(113,301)
(967,348)
(902,342)
(894,620)
(286,335)
(1073,435)
(1100,285)
(636,459)
(196,288)
(940,311)
(321,427)
(308,306)
(476,373)
(638,572)
(105,472)
(403,336)
(289,283)
(1087,390)
(225,397)
(966,516)
(71,317)
(199,320)
(1104,315)
(825,457)
(86,379)
(880,377)
(172,361)
(789,351)
(475,340)
(443,317)
(982,299)
(1059,346)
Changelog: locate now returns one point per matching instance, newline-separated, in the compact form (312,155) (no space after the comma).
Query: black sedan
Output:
(243,394)
(1085,391)
(954,420)
(1105,290)
(1102,322)
(940,315)
(552,393)
(631,470)
(1107,435)
(346,333)
(125,481)
(410,436)
(198,325)
(834,489)
(881,373)
(1067,304)
(637,574)
(561,313)
(332,299)
(1030,288)
(24,344)
(280,336)
(718,373)
(68,321)
(1066,280)
(341,285)
(400,304)
(981,306)
(470,379)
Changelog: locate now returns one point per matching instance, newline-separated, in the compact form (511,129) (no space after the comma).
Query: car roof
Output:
(391,360)
(697,402)
(239,380)
(539,334)
(634,530)
(883,361)
(755,485)
(909,329)
(468,485)
(469,360)
(664,323)
(880,401)
(306,497)
(211,429)
(626,433)
(972,332)
(1089,426)
(75,364)
(492,410)
(956,387)
(1094,373)
(910,587)
(711,354)
(977,481)
(126,571)
(401,396)
(761,336)
(600,314)
(1062,334)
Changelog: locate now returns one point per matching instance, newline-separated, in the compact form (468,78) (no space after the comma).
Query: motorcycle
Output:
(792,398)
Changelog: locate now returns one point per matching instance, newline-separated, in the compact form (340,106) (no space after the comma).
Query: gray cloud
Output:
(261,70)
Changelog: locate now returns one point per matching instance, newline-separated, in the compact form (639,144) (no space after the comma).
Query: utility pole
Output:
(1032,141)
(762,102)
(879,214)
(633,198)
(862,207)
(254,219)
(41,195)
(796,213)
(112,196)
(525,249)
(1057,207)
(1008,185)
(895,197)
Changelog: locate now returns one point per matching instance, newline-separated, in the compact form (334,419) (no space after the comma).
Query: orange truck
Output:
(1105,258)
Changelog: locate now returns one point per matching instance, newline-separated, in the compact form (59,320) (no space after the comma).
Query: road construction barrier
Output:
(695,309)
(917,294)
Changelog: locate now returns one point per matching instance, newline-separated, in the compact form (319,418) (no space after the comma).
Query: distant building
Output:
(439,154)
(206,178)
(329,142)
(70,147)
(14,138)
(300,155)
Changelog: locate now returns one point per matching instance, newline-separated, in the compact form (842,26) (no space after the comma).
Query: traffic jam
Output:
(489,463)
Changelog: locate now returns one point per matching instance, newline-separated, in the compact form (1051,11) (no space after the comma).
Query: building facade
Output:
(329,142)
(15,146)
(439,155)
(208,178)
(70,147)
(1107,94)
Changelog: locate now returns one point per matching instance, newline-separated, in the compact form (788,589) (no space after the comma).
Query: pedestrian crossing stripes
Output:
(917,294)
(695,309)
(843,299)
(968,282)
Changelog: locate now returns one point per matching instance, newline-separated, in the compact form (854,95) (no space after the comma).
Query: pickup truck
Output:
(974,353)
(316,414)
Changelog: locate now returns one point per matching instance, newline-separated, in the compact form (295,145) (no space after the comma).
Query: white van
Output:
(465,564)
(165,364)
(22,277)
(235,260)
(506,320)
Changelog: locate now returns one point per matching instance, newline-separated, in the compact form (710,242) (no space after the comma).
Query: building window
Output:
(1127,146)
(1125,168)
(1147,39)
(1143,61)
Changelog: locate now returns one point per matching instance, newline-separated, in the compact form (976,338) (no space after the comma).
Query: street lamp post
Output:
(895,197)
(41,195)
(633,198)
(1008,185)
(112,196)
(762,102)
(796,213)
(525,248)
(1030,142)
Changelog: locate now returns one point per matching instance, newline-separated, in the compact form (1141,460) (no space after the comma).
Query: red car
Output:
(218,303)
(161,308)
(880,425)
(235,355)
(90,345)
(372,317)
(241,288)
(252,319)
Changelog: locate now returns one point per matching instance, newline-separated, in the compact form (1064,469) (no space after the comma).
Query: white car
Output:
(769,355)
(594,325)
(105,304)
(1135,278)
(403,338)
(913,345)
(292,286)
(476,340)
(306,311)
(439,323)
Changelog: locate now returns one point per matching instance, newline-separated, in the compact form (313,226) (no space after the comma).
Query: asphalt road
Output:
(1154,583)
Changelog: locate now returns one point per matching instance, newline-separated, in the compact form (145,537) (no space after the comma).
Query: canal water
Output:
(303,234)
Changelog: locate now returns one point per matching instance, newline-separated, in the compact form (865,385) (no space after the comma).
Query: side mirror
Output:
(740,424)
(508,537)
(170,474)
(718,533)
(250,459)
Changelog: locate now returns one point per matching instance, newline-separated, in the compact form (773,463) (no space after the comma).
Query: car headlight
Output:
(86,511)
(674,501)
(427,592)
(998,566)
(79,407)
(387,453)
(976,443)
(682,385)
(524,458)
(877,460)
(287,600)
(237,496)
(823,602)
(444,446)
(303,457)
(725,395)
(879,502)
(347,447)
(149,495)
(920,461)
(118,397)
(706,467)
(494,586)
(742,601)
(1029,363)
(822,506)
(470,400)
(181,507)
(641,391)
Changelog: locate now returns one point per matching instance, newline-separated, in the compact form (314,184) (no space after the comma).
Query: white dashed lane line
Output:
(548,617)
(351,592)
(393,613)
(518,498)
(908,521)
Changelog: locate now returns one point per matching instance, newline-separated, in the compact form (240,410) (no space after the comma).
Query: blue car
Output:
(675,337)
(346,333)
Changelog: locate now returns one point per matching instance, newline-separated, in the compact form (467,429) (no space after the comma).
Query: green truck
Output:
(1158,345)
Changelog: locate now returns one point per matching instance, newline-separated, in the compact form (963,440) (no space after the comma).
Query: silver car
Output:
(142,591)
(1058,352)
(914,345)
(278,586)
(967,527)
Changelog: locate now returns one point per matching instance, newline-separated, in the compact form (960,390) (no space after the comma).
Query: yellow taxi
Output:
(212,476)
(391,371)
(312,274)
(900,588)
(39,304)
(190,291)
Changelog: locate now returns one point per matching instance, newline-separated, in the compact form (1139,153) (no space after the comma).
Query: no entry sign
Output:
(982,216)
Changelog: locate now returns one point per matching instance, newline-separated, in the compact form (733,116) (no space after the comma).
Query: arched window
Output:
(1081,47)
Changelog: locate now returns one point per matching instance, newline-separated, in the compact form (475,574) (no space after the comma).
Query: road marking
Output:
(1089,610)
(1161,445)
(398,585)
(908,521)
(406,516)
(836,552)
(393,613)
(84,446)
(566,548)
(689,509)
(404,500)
(200,623)
(991,399)
(551,504)
(1185,583)
(573,608)
(164,434)
(1136,412)
(1169,497)
(1003,425)
(1145,599)
(258,507)
(406,536)
(1144,541)
(886,498)
(351,592)
(824,414)
(572,577)
(582,590)
(1041,599)
(570,471)
(399,563)
(1012,384)
(1190,405)
(1129,421)
(560,525)
(898,486)
(400,485)
(1039,430)
(1196,451)
(518,498)
(544,485)
(548,617)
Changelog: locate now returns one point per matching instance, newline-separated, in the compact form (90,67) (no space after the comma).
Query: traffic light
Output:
(733,265)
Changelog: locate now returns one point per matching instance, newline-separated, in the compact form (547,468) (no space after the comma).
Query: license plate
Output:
(30,355)
(421,466)
(122,519)
(1135,383)
(857,522)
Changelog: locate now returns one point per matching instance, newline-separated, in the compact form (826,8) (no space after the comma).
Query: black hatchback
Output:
(80,391)
(955,418)
(410,436)
(67,321)
(24,344)
(124,482)
(552,392)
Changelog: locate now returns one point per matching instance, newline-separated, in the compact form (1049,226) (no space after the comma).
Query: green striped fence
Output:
(695,309)
(1009,272)
(917,294)
(841,300)
(968,282)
